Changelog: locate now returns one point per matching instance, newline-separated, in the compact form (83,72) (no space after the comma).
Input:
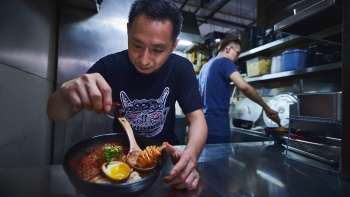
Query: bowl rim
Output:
(72,175)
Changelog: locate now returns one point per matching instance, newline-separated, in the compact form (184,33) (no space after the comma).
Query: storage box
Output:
(258,66)
(294,59)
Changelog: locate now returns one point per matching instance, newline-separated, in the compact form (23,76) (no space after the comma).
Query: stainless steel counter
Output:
(236,169)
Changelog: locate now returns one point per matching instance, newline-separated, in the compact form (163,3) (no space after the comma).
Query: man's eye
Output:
(157,51)
(137,46)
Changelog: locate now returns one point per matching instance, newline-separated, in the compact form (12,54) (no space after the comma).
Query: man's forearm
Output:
(59,108)
(196,141)
(197,133)
(253,95)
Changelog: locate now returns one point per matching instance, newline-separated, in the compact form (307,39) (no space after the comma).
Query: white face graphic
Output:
(146,117)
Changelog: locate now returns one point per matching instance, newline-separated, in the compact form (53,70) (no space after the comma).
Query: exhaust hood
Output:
(322,20)
(189,31)
(94,5)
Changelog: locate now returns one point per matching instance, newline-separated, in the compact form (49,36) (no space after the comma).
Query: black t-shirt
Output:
(149,100)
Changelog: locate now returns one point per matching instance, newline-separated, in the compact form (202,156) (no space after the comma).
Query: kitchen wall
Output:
(27,73)
(85,36)
(43,44)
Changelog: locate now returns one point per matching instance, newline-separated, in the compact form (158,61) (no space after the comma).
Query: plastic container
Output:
(294,59)
(276,65)
(258,66)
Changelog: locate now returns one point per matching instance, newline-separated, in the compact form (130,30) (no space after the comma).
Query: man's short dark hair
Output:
(227,41)
(160,10)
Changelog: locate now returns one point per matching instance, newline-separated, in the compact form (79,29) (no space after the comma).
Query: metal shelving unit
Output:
(268,48)
(322,152)
(292,73)
(282,44)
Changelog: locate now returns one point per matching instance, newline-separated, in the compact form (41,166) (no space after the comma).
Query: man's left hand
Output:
(184,174)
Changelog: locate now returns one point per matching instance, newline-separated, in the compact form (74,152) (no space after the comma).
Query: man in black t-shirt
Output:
(147,79)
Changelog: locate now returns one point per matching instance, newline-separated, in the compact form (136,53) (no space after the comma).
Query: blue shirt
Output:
(214,87)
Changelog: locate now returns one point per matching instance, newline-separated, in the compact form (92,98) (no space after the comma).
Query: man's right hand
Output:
(90,91)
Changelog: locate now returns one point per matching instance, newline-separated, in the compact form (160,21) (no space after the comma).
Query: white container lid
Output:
(280,103)
(249,110)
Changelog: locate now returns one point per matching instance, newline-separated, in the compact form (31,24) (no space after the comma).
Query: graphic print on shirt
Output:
(202,83)
(146,117)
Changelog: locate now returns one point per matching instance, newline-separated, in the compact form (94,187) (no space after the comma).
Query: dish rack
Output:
(323,149)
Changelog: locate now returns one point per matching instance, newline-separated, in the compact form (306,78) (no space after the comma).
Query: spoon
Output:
(134,149)
(281,128)
(279,124)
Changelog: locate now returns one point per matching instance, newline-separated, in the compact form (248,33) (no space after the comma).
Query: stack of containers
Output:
(258,66)
(294,59)
(276,65)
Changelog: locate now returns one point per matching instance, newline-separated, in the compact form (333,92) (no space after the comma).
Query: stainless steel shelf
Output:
(295,72)
(315,119)
(321,21)
(269,46)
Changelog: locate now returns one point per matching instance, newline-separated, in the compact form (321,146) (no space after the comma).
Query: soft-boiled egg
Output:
(116,170)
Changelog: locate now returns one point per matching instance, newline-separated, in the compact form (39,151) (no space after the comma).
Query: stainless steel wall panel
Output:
(329,83)
(23,108)
(26,36)
(27,68)
(86,36)
(28,151)
(84,125)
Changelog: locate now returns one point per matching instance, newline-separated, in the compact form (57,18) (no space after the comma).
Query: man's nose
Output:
(145,57)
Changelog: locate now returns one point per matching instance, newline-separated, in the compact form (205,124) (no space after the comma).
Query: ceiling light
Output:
(185,42)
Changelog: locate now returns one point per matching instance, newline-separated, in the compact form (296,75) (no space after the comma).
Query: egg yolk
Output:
(120,171)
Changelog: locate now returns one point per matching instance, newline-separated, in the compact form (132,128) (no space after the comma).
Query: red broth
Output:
(89,168)
(90,165)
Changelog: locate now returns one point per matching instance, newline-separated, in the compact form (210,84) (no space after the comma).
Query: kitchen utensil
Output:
(244,124)
(280,103)
(279,124)
(281,128)
(279,136)
(134,149)
(249,110)
(276,135)
(73,157)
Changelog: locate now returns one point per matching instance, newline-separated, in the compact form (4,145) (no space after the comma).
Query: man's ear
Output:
(175,44)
